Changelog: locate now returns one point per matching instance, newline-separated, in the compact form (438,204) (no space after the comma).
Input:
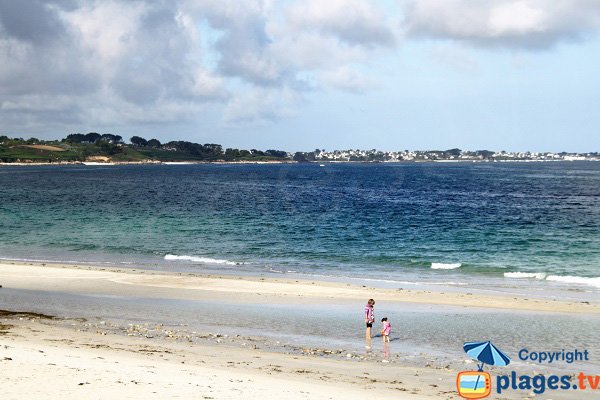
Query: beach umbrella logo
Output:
(478,384)
(486,353)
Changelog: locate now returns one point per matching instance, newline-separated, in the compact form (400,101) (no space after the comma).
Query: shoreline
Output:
(135,354)
(535,284)
(144,162)
(80,357)
(158,162)
(198,286)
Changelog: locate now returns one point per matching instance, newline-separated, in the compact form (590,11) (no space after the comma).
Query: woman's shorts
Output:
(369,324)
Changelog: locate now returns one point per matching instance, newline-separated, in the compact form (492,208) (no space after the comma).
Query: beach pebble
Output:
(348,355)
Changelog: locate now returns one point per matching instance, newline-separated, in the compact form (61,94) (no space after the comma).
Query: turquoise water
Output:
(426,221)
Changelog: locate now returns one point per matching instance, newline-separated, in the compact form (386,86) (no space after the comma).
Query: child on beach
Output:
(369,317)
(386,329)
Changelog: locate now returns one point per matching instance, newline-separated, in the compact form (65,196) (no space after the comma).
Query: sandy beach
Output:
(61,362)
(78,356)
(299,200)
(136,282)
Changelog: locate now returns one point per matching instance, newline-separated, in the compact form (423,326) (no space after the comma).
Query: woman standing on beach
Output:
(369,318)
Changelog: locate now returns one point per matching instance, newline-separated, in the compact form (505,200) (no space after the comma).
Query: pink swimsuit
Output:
(387,328)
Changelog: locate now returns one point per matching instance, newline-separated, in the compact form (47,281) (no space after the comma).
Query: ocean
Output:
(392,223)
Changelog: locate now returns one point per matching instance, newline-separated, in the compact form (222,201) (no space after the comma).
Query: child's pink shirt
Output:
(387,328)
(369,313)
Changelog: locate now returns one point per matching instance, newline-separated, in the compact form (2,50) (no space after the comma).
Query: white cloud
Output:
(119,62)
(528,24)
(129,61)
(262,105)
(355,22)
(281,51)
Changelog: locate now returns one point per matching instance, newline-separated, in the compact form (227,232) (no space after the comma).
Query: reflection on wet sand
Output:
(386,350)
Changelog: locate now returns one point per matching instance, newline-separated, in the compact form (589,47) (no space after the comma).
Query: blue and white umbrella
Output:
(487,353)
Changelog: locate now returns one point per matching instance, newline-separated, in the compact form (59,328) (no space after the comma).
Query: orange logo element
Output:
(474,384)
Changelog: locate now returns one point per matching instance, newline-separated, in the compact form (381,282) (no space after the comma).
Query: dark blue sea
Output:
(393,222)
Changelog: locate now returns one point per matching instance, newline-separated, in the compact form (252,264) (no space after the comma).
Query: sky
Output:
(510,75)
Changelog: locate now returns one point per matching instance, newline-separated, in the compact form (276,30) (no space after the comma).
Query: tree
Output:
(454,152)
(113,139)
(92,137)
(109,149)
(154,143)
(304,157)
(299,157)
(485,154)
(231,154)
(75,138)
(211,150)
(276,153)
(138,141)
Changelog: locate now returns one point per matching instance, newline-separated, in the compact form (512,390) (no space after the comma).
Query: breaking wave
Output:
(445,266)
(525,275)
(575,279)
(202,260)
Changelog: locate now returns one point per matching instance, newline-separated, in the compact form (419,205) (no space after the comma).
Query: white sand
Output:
(42,359)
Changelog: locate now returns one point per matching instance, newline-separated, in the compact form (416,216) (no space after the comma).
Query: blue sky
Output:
(297,75)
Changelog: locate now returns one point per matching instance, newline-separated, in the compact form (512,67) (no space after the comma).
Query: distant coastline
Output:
(156,162)
(146,162)
(107,149)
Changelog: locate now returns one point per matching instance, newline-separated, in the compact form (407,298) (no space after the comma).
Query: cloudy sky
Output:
(302,74)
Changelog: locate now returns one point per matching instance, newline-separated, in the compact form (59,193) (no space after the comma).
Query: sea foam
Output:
(203,260)
(525,275)
(445,266)
(575,279)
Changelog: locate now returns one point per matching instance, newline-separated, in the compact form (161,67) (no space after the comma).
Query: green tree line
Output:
(80,146)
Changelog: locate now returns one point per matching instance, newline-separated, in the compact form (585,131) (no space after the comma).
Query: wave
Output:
(202,260)
(445,266)
(525,275)
(575,279)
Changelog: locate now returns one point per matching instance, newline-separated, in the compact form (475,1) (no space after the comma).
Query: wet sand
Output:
(145,283)
(44,357)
